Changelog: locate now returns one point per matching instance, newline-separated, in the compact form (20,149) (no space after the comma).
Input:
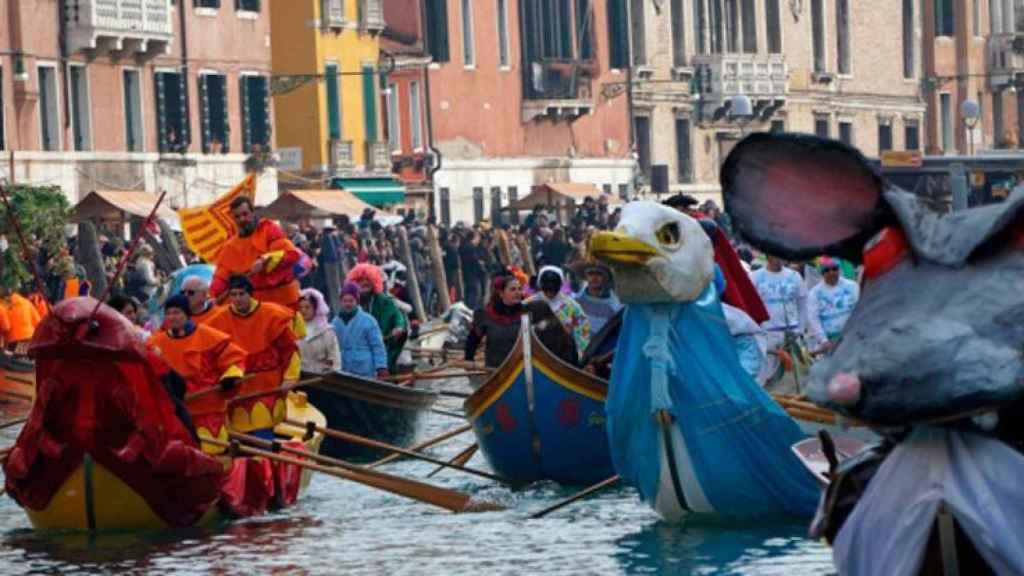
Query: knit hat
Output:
(239,282)
(179,301)
(351,289)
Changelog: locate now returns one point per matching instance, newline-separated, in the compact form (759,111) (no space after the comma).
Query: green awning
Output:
(375,191)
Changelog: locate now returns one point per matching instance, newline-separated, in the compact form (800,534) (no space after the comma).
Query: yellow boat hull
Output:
(94,499)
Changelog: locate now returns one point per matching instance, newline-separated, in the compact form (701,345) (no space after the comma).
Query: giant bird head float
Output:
(939,330)
(658,254)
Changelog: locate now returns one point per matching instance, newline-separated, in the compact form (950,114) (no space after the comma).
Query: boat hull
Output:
(372,409)
(17,380)
(537,418)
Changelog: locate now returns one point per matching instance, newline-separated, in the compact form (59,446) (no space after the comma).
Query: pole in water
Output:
(579,496)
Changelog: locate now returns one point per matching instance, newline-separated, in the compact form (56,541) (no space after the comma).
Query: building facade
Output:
(829,67)
(327,59)
(517,100)
(136,95)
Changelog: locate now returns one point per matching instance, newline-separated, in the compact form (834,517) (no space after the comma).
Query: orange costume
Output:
(203,357)
(276,283)
(23,318)
(207,313)
(267,333)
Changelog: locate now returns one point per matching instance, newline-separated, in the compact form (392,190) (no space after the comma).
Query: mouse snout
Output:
(844,389)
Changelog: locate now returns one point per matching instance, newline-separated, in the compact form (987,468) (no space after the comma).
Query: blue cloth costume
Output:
(681,358)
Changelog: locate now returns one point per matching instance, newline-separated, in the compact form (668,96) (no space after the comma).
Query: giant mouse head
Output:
(939,330)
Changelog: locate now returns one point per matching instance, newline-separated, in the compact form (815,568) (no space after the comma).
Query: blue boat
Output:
(538,418)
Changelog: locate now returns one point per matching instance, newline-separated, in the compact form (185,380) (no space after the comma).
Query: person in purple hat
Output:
(359,337)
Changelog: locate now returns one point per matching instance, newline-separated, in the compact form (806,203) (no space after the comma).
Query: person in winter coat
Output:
(392,323)
(319,349)
(359,337)
(498,323)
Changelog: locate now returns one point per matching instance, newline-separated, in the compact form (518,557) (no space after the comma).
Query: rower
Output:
(268,334)
(204,358)
(201,305)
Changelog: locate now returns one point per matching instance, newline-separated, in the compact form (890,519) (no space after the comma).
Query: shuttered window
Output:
(172,112)
(333,102)
(478,204)
(247,5)
(446,207)
(513,196)
(618,34)
(255,113)
(496,205)
(370,103)
(437,30)
(206,3)
(213,102)
(585,28)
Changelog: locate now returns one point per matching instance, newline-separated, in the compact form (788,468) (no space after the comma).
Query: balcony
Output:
(759,76)
(557,89)
(133,26)
(378,157)
(1006,59)
(341,155)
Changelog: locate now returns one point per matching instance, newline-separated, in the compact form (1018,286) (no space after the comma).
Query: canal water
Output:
(343,528)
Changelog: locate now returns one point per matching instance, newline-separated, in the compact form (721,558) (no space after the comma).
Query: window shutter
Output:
(265,98)
(183,118)
(370,103)
(246,115)
(225,120)
(333,106)
(161,112)
(204,111)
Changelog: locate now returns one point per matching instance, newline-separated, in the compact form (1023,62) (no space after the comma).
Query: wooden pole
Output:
(423,445)
(13,423)
(524,249)
(579,496)
(461,458)
(370,443)
(437,264)
(414,281)
(504,251)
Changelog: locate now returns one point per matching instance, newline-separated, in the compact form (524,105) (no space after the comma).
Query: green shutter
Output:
(182,121)
(618,34)
(204,111)
(161,111)
(370,103)
(246,115)
(333,104)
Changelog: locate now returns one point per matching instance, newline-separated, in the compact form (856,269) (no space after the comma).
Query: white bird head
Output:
(657,253)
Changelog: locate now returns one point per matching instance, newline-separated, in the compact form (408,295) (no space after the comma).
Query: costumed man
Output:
(200,304)
(830,304)
(268,333)
(262,252)
(393,325)
(205,358)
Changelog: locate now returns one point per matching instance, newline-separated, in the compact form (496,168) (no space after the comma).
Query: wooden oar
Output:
(579,496)
(423,445)
(281,390)
(453,394)
(17,395)
(402,378)
(12,423)
(442,497)
(370,443)
(449,414)
(461,458)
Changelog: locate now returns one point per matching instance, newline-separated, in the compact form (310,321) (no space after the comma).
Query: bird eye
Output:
(668,234)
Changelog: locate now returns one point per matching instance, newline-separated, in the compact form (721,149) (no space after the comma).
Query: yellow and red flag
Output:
(207,228)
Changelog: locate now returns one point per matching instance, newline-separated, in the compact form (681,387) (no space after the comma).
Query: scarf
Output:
(347,317)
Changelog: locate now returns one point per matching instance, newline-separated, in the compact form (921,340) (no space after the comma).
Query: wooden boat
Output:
(17,379)
(538,418)
(370,408)
(95,499)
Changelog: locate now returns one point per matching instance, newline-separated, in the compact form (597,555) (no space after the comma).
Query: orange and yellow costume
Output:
(268,333)
(23,318)
(276,284)
(203,356)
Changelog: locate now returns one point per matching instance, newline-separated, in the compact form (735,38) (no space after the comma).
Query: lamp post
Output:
(970,112)
(741,111)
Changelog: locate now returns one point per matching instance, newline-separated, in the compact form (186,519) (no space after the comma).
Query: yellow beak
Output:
(616,248)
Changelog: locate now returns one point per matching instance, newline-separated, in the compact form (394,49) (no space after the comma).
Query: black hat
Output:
(681,201)
(179,301)
(239,282)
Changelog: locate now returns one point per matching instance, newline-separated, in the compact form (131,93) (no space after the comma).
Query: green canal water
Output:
(342,528)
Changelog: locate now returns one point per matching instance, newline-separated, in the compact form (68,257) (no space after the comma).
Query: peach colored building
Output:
(136,95)
(520,95)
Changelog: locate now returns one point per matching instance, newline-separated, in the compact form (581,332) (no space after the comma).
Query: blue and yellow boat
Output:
(539,418)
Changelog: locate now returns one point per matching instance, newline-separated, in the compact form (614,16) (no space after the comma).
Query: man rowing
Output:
(262,252)
(268,334)
(204,358)
(200,304)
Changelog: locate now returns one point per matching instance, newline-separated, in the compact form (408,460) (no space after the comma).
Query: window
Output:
(133,133)
(394,137)
(468,54)
(771,12)
(624,191)
(884,136)
(585,29)
(700,22)
(255,114)
(618,34)
(998,126)
(215,4)
(732,26)
(478,204)
(213,109)
(247,5)
(976,17)
(749,27)
(415,120)
(81,127)
(172,112)
(549,34)
(846,133)
(778,126)
(818,34)
(513,195)
(49,121)
(946,118)
(821,128)
(843,36)
(1018,21)
(446,207)
(911,135)
(678,34)
(684,156)
(436,29)
(642,137)
(503,58)
(716,26)
(908,38)
(331,79)
(332,13)
(370,103)
(944,24)
(637,32)
(495,205)
(2,108)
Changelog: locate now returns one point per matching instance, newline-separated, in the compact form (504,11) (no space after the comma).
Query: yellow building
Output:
(335,117)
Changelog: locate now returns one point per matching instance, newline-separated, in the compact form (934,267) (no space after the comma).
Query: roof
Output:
(296,204)
(117,205)
(560,192)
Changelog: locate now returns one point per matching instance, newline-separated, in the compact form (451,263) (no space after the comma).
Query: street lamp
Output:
(741,111)
(970,111)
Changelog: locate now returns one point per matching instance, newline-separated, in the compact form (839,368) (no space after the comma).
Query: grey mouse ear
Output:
(798,196)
